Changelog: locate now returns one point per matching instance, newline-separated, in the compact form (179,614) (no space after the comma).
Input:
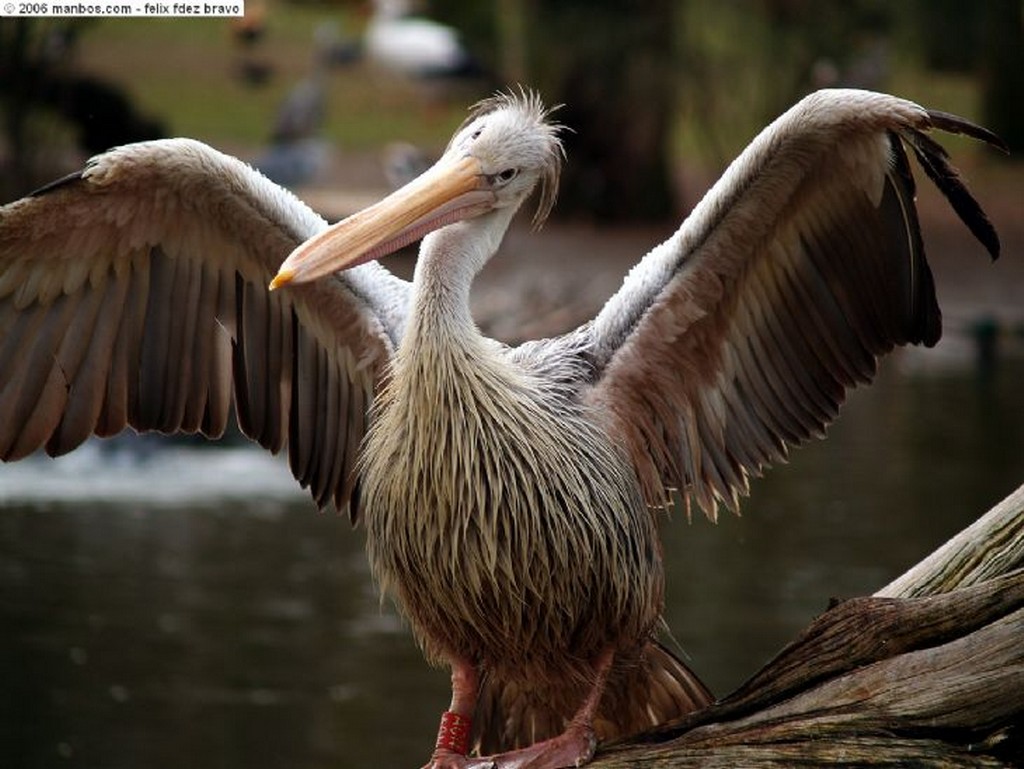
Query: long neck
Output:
(443,357)
(449,260)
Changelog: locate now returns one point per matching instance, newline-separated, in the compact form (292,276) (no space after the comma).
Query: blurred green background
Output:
(657,92)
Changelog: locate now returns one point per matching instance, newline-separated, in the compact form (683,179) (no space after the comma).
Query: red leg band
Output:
(454,732)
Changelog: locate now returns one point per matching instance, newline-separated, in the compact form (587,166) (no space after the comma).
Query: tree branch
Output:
(927,672)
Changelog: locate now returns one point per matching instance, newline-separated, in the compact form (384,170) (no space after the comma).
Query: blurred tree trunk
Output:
(512,40)
(610,63)
(1003,71)
(18,80)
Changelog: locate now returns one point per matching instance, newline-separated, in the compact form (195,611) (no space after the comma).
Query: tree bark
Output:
(928,672)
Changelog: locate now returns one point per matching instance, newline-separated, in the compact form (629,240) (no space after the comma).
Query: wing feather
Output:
(249,357)
(201,340)
(786,342)
(38,388)
(67,362)
(134,293)
(740,335)
(114,412)
(342,426)
(278,377)
(321,396)
(935,161)
(220,379)
(154,361)
(82,414)
(356,424)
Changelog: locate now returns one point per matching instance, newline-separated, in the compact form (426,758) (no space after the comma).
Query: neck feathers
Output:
(449,260)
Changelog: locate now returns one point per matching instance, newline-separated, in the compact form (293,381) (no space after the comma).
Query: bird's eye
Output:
(504,177)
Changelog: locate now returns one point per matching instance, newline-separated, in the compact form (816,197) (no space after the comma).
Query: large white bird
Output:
(507,492)
(414,46)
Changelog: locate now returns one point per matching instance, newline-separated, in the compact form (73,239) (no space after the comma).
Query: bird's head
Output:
(517,147)
(494,161)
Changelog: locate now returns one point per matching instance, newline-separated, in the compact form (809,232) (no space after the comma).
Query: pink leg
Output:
(573,747)
(456,724)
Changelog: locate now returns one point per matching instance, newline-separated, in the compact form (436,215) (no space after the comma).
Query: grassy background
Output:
(184,72)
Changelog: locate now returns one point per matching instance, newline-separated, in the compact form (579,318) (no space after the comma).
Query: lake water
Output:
(189,608)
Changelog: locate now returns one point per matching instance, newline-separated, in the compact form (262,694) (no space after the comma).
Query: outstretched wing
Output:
(739,336)
(134,293)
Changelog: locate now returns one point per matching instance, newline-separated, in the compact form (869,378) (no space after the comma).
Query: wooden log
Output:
(927,672)
(992,545)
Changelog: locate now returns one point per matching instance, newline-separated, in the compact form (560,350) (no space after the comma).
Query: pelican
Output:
(509,494)
(413,46)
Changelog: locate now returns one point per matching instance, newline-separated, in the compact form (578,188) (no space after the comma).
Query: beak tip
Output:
(284,277)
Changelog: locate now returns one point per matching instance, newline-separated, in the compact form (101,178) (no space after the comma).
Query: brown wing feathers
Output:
(935,161)
(754,336)
(134,293)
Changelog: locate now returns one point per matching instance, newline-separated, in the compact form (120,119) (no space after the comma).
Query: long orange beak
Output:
(448,192)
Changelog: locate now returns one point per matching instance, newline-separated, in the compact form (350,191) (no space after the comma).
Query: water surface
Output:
(189,607)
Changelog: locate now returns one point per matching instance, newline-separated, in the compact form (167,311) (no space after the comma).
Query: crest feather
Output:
(528,104)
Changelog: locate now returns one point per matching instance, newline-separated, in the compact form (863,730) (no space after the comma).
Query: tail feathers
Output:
(660,689)
(642,693)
